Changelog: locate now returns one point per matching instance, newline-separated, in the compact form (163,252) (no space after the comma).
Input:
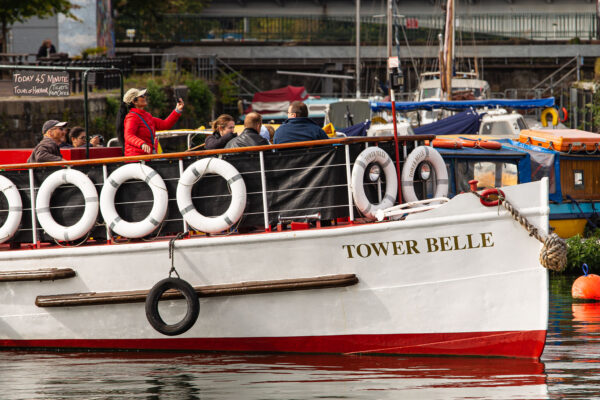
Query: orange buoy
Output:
(446,144)
(586,286)
(481,144)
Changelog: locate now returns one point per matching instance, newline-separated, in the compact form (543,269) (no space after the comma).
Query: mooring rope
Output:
(180,235)
(554,251)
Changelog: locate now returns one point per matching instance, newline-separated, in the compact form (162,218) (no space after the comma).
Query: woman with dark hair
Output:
(78,138)
(136,127)
(223,128)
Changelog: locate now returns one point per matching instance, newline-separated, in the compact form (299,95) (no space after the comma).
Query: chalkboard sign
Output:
(41,83)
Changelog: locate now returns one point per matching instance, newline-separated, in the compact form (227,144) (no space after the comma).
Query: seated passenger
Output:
(298,127)
(250,136)
(222,132)
(78,138)
(47,150)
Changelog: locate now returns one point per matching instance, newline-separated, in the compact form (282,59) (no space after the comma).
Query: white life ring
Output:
(15,209)
(122,174)
(416,157)
(90,212)
(184,195)
(367,156)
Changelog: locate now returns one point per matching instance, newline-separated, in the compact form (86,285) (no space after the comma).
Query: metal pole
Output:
(85,114)
(393,99)
(358,49)
(263,182)
(349,183)
(186,228)
(598,19)
(389,29)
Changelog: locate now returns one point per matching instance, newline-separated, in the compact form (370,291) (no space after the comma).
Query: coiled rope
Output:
(554,251)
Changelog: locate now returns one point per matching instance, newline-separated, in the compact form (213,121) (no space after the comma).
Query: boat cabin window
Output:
(496,128)
(428,93)
(521,124)
(487,173)
(477,92)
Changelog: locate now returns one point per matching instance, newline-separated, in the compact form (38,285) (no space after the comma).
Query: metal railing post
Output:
(105,178)
(263,182)
(34,237)
(185,224)
(349,183)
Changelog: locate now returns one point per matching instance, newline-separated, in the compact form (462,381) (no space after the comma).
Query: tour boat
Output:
(300,247)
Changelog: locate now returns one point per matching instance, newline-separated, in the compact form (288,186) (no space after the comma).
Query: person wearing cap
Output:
(47,149)
(136,127)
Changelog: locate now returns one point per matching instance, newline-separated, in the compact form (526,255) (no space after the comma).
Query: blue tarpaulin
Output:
(544,163)
(359,129)
(462,105)
(464,123)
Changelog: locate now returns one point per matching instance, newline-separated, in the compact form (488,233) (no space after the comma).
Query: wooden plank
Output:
(234,289)
(44,274)
(591,178)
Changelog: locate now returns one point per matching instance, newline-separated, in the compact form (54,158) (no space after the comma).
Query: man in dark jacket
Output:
(298,127)
(47,150)
(250,136)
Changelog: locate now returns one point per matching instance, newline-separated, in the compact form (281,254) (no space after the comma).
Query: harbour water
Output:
(569,368)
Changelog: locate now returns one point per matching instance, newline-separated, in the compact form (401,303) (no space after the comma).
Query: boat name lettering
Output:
(429,245)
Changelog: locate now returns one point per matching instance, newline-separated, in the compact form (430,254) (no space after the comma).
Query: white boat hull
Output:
(461,279)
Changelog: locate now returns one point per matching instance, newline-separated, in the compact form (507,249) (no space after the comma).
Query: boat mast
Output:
(357,49)
(449,49)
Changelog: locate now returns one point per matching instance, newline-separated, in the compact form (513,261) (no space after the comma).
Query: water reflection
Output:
(218,376)
(572,349)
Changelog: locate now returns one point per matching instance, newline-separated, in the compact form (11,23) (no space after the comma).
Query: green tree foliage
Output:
(582,251)
(157,98)
(227,89)
(200,100)
(151,10)
(13,11)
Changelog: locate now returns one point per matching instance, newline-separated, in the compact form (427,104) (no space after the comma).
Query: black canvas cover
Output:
(299,181)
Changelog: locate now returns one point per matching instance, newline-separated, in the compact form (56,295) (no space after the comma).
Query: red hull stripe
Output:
(527,344)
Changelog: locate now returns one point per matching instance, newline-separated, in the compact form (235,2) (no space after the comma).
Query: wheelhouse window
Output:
(487,174)
(578,181)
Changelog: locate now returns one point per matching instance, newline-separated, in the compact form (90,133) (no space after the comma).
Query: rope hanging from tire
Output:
(188,292)
(554,251)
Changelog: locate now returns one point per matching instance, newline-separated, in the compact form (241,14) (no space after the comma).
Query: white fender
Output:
(236,184)
(15,209)
(124,173)
(373,154)
(42,204)
(416,157)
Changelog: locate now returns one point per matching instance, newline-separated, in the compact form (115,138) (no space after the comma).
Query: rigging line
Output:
(412,60)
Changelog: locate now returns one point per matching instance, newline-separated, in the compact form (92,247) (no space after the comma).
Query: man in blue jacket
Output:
(298,127)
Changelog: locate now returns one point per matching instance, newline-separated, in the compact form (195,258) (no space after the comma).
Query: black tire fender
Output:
(193,306)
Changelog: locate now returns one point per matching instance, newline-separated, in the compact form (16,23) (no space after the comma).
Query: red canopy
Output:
(277,100)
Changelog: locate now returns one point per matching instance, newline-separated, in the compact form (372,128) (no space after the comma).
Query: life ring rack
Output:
(15,209)
(236,184)
(42,204)
(122,174)
(415,158)
(366,157)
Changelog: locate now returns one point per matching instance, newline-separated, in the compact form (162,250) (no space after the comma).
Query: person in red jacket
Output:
(137,128)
